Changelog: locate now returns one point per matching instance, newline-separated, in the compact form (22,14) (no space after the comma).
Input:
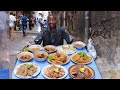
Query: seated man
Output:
(53,35)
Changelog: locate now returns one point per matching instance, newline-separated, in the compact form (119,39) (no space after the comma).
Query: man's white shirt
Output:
(11,20)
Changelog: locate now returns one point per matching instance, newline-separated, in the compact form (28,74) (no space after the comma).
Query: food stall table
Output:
(67,66)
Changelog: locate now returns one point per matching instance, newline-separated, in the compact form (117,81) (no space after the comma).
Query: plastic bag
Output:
(38,39)
(91,49)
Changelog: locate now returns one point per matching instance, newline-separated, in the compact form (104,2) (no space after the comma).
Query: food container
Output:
(25,56)
(40,56)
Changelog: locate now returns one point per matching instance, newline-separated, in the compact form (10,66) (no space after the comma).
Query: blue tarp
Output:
(4,73)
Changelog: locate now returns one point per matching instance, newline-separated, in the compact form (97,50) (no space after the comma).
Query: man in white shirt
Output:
(12,20)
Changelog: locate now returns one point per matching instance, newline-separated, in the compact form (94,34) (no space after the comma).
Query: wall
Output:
(74,22)
(106,36)
(105,33)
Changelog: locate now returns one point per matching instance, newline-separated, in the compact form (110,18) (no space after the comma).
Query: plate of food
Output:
(27,70)
(79,71)
(79,44)
(50,49)
(68,49)
(58,58)
(40,56)
(54,72)
(35,48)
(25,56)
(81,58)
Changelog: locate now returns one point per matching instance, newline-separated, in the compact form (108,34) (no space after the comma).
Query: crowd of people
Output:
(50,34)
(23,22)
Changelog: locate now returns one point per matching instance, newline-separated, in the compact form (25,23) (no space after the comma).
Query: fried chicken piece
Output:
(58,54)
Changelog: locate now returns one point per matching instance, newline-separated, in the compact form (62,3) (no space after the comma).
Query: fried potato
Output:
(57,59)
(76,57)
(59,62)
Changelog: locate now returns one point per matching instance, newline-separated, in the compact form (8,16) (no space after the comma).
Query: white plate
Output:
(79,42)
(45,68)
(27,77)
(49,47)
(68,59)
(41,59)
(80,63)
(25,53)
(69,52)
(35,46)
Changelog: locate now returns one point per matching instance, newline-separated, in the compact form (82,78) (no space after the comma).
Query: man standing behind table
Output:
(24,24)
(53,35)
(12,21)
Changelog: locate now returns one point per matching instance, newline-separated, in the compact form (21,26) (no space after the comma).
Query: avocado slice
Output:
(82,69)
(29,66)
(25,49)
(56,70)
(50,58)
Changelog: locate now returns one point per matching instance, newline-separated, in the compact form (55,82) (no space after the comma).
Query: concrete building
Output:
(45,14)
